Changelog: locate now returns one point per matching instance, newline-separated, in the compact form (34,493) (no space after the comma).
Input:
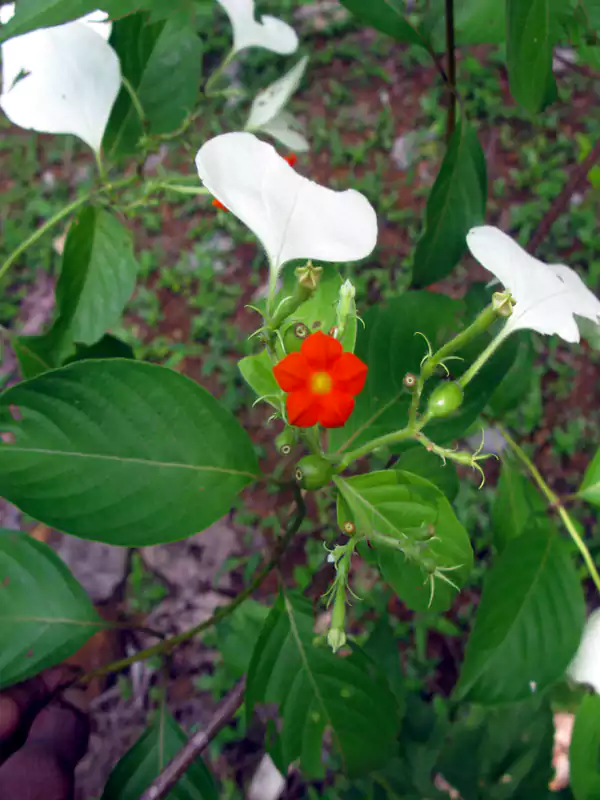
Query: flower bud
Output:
(346,307)
(285,441)
(336,638)
(294,336)
(308,278)
(502,303)
(314,472)
(445,399)
(409,381)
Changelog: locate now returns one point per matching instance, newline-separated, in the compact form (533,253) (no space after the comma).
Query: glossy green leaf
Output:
(33,14)
(45,615)
(257,371)
(163,63)
(590,488)
(421,530)
(584,753)
(518,381)
(391,346)
(456,203)
(529,52)
(485,745)
(97,276)
(238,633)
(108,346)
(420,461)
(140,765)
(528,624)
(386,16)
(122,452)
(518,507)
(382,647)
(317,691)
(37,354)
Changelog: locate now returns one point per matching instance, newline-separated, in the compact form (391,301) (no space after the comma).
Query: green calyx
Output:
(285,441)
(445,400)
(314,472)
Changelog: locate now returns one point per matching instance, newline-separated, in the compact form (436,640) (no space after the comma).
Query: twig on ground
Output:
(196,744)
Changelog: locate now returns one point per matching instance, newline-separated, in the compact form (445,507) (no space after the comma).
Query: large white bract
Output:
(63,79)
(268,32)
(585,667)
(268,114)
(293,217)
(548,297)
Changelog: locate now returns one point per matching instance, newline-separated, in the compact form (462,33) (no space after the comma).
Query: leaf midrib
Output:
(126,460)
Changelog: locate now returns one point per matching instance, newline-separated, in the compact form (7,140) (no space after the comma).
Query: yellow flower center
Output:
(320,383)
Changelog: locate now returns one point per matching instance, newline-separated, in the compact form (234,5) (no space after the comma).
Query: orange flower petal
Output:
(291,159)
(349,374)
(302,409)
(321,351)
(218,204)
(335,409)
(292,372)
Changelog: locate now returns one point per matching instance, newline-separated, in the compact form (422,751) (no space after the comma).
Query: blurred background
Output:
(374,112)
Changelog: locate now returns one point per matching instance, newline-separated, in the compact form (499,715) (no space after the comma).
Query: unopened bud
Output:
(336,638)
(502,303)
(346,306)
(308,277)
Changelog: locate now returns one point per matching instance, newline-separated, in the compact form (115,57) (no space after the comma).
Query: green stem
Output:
(381,441)
(212,79)
(167,645)
(554,502)
(181,188)
(37,234)
(135,100)
(101,168)
(482,358)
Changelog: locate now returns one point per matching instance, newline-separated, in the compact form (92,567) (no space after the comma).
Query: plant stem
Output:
(482,358)
(135,100)
(181,188)
(554,502)
(451,67)
(381,441)
(37,234)
(212,79)
(167,645)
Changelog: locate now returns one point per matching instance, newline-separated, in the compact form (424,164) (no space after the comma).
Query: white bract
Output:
(293,217)
(548,297)
(268,32)
(63,79)
(585,667)
(268,115)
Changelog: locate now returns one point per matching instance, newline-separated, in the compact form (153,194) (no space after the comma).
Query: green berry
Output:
(445,399)
(313,472)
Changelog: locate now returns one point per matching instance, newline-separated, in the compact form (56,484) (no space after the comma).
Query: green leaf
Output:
(140,765)
(529,53)
(485,745)
(456,203)
(33,14)
(98,275)
(257,371)
(122,452)
(584,753)
(382,648)
(317,691)
(387,16)
(518,507)
(162,62)
(517,383)
(590,488)
(427,465)
(319,313)
(238,633)
(45,615)
(409,511)
(37,354)
(107,347)
(528,624)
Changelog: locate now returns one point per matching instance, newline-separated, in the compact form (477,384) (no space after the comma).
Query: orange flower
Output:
(218,204)
(291,159)
(321,381)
